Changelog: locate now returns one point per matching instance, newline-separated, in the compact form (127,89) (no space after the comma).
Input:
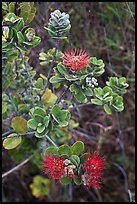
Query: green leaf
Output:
(43,76)
(19,124)
(40,135)
(4,6)
(83,158)
(46,121)
(77,148)
(74,88)
(62,70)
(51,150)
(12,7)
(39,111)
(80,97)
(10,143)
(40,186)
(65,180)
(48,98)
(56,79)
(97,102)
(64,150)
(60,116)
(12,55)
(36,40)
(32,124)
(41,129)
(27,11)
(38,118)
(88,91)
(39,83)
(107,109)
(75,160)
(98,92)
(77,180)
(22,108)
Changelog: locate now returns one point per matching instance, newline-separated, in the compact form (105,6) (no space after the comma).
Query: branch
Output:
(80,105)
(124,174)
(19,135)
(50,140)
(17,167)
(63,93)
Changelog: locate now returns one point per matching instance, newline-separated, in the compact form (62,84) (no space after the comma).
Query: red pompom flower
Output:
(93,168)
(55,167)
(76,60)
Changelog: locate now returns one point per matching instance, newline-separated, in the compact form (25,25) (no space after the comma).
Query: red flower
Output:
(76,60)
(93,168)
(55,167)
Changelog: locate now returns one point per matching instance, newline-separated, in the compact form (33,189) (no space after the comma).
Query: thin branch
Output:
(89,137)
(130,10)
(130,196)
(7,133)
(19,135)
(124,174)
(50,140)
(63,93)
(50,70)
(80,106)
(120,138)
(17,167)
(12,102)
(70,192)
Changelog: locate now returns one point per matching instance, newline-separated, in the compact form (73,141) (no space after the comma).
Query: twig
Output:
(50,70)
(91,194)
(17,167)
(89,137)
(63,93)
(124,174)
(70,192)
(98,195)
(19,135)
(50,140)
(130,196)
(7,133)
(120,138)
(12,102)
(130,10)
(80,106)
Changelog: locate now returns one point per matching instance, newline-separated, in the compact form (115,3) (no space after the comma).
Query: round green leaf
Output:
(46,121)
(75,160)
(10,143)
(40,135)
(77,180)
(64,150)
(51,150)
(32,124)
(38,118)
(77,148)
(83,158)
(48,98)
(107,109)
(19,124)
(40,111)
(97,102)
(40,129)
(56,79)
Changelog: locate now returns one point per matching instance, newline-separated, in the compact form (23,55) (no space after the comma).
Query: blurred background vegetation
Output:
(106,30)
